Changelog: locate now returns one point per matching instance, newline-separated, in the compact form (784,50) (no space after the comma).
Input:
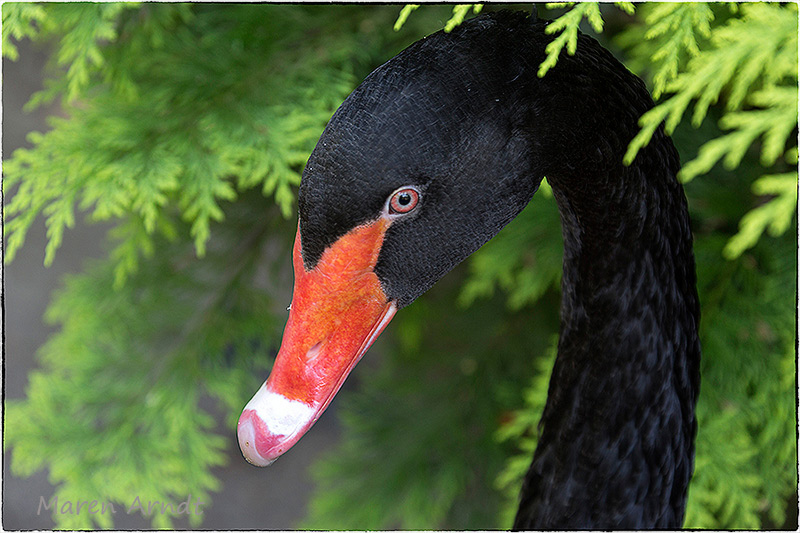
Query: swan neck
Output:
(620,409)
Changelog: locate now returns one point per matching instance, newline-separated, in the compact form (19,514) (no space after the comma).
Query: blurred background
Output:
(270,498)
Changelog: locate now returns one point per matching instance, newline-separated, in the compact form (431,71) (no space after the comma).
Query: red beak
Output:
(338,310)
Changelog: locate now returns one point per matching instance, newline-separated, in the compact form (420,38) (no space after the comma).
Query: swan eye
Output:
(403,201)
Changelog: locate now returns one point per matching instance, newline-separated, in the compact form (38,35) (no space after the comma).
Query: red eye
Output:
(404,201)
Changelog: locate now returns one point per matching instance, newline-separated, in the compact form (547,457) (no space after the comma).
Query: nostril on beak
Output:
(313,352)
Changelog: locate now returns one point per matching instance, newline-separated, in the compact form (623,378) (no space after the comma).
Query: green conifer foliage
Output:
(204,111)
(187,127)
(179,119)
(750,63)
(113,412)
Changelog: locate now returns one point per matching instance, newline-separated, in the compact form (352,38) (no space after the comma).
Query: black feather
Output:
(464,117)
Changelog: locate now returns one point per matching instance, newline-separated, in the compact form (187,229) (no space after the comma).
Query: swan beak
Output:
(338,310)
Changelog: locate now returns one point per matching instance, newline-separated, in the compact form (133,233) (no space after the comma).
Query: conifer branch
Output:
(676,26)
(758,50)
(774,216)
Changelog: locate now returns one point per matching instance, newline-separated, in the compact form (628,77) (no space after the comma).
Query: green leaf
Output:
(568,24)
(676,27)
(776,215)
(20,21)
(460,11)
(747,54)
(404,14)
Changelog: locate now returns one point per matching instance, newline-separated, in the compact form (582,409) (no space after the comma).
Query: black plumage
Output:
(465,118)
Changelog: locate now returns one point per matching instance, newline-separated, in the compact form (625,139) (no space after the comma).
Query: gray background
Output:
(272,498)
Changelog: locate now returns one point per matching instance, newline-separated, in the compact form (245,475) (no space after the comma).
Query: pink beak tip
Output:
(270,424)
(248,434)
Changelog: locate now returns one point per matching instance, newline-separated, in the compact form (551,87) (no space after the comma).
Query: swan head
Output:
(424,162)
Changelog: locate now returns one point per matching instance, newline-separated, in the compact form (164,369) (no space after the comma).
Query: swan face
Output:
(421,165)
(449,135)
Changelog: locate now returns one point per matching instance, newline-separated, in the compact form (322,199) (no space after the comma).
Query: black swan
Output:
(429,158)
